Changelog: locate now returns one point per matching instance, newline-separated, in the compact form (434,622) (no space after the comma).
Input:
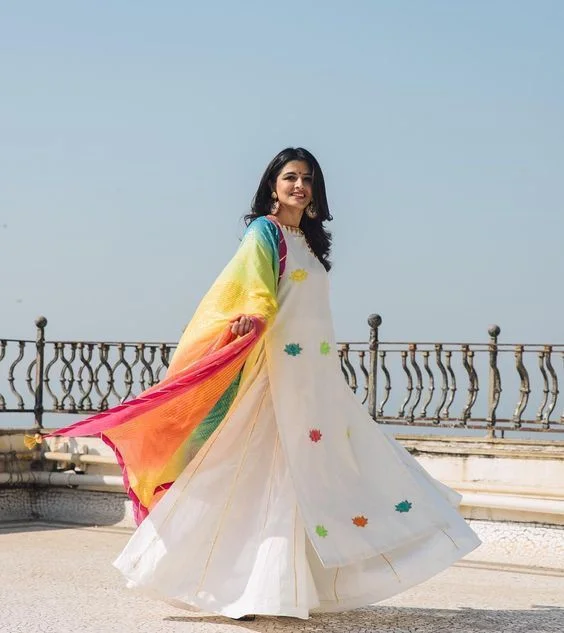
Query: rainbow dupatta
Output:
(150,434)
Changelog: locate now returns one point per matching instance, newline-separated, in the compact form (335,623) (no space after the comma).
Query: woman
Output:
(277,494)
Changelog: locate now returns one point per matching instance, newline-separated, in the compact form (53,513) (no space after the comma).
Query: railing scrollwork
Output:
(434,384)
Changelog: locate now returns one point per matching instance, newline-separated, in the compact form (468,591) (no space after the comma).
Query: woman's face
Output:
(294,185)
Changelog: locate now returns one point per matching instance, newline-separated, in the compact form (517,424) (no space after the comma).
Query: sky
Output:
(133,135)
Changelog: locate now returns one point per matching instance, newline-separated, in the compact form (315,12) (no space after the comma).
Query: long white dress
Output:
(298,502)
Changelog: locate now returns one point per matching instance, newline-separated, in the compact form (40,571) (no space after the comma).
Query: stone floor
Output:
(58,579)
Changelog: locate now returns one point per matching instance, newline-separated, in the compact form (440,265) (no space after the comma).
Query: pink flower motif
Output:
(315,435)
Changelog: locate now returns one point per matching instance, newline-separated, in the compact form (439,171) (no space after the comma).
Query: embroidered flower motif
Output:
(360,521)
(298,275)
(293,349)
(404,506)
(325,348)
(315,435)
(321,531)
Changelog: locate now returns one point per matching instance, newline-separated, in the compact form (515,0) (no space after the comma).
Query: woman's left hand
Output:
(243,325)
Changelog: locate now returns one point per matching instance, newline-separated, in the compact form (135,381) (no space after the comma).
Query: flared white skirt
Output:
(228,537)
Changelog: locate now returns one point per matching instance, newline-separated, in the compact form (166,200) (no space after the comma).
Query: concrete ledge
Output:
(533,545)
(502,481)
(530,469)
(496,447)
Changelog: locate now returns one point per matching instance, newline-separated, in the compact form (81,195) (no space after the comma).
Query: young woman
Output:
(260,483)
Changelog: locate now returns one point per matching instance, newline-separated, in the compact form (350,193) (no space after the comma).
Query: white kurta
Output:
(299,501)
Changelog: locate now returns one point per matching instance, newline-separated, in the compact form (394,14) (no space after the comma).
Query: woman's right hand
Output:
(241,326)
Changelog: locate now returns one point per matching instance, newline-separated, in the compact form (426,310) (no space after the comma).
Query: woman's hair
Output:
(317,237)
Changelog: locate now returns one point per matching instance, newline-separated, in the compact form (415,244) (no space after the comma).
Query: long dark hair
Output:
(318,238)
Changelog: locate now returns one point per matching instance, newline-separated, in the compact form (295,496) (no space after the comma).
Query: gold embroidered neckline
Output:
(295,230)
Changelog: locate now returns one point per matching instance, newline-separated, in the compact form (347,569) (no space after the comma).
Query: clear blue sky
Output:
(133,135)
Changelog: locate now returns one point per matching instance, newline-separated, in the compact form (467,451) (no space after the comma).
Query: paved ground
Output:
(54,580)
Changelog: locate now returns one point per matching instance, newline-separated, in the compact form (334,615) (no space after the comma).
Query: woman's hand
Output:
(241,326)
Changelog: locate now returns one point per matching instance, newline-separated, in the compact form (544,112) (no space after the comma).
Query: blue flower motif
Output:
(293,349)
(404,506)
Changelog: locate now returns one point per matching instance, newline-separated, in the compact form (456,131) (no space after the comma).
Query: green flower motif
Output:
(325,348)
(293,349)
(321,531)
(404,506)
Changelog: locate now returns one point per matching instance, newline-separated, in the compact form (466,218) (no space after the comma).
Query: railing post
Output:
(374,321)
(40,322)
(494,386)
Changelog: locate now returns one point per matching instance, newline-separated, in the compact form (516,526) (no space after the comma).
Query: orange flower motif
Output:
(360,521)
(315,435)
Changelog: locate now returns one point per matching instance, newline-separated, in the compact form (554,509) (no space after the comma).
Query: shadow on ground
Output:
(13,527)
(540,619)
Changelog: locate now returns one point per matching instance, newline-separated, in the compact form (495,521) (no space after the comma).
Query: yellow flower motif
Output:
(298,275)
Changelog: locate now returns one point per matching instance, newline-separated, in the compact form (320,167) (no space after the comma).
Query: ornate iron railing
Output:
(490,386)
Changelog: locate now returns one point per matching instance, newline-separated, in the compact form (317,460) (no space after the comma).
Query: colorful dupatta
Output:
(150,434)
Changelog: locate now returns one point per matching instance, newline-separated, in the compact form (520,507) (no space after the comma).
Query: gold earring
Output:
(275,206)
(311,211)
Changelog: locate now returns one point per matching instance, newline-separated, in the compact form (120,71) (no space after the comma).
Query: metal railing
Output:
(491,386)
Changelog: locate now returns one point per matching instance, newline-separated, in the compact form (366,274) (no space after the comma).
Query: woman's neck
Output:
(290,217)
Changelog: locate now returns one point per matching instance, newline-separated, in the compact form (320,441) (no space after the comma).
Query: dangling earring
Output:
(275,206)
(311,211)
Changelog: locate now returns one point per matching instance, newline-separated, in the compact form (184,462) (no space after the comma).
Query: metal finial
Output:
(494,330)
(374,320)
